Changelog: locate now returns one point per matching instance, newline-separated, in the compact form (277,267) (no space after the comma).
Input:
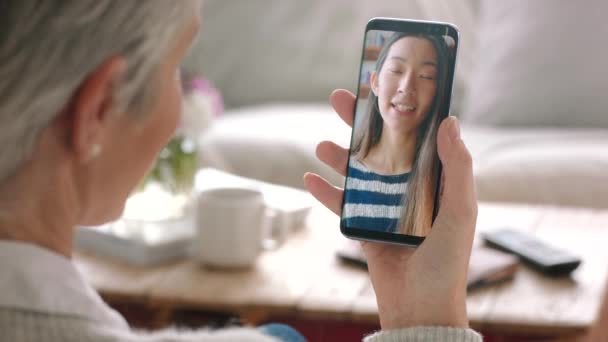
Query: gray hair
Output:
(47,48)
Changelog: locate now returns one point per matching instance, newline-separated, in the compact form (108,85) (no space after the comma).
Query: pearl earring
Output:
(95,151)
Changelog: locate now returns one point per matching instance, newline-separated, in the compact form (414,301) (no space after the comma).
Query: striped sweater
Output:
(373,201)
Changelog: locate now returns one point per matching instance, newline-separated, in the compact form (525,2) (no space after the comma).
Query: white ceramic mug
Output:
(234,226)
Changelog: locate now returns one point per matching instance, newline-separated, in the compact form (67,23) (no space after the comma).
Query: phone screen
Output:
(393,174)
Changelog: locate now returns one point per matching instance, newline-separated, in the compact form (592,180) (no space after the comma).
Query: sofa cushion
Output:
(564,167)
(276,143)
(275,50)
(273,143)
(540,63)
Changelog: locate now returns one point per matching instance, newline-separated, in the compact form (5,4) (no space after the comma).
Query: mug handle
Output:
(276,227)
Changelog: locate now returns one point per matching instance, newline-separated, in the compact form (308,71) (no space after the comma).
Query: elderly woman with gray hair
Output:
(89,94)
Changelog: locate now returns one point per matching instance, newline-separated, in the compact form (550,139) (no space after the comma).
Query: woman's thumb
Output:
(459,200)
(451,238)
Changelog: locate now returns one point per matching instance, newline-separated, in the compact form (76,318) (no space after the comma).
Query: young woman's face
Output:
(407,83)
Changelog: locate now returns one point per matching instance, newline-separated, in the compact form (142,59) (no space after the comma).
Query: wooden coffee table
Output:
(304,279)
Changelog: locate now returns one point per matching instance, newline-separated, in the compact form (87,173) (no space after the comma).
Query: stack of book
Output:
(158,240)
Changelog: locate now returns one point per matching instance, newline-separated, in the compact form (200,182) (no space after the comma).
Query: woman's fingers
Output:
(343,102)
(333,155)
(329,195)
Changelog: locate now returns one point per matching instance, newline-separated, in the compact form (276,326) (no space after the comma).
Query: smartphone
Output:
(393,176)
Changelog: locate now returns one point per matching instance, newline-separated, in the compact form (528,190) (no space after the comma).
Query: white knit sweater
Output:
(43,297)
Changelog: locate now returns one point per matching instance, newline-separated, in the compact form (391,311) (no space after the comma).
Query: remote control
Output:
(536,253)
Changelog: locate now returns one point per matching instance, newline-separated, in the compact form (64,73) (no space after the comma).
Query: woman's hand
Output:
(425,286)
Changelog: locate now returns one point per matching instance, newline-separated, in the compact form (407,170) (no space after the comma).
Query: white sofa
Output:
(277,61)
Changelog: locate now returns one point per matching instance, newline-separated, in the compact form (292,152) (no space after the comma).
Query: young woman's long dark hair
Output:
(417,214)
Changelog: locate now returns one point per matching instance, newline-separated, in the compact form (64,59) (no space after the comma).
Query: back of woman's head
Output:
(47,48)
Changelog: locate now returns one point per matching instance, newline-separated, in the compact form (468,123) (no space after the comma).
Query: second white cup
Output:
(234,226)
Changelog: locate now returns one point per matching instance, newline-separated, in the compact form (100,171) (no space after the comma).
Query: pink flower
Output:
(206,88)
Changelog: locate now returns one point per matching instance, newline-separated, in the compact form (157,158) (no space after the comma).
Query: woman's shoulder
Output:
(15,326)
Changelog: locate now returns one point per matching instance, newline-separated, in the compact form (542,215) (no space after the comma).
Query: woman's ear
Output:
(374,82)
(90,108)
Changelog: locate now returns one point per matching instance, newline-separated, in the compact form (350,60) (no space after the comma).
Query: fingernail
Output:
(454,129)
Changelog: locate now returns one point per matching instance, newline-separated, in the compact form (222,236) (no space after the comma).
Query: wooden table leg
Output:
(599,330)
(254,316)
(162,317)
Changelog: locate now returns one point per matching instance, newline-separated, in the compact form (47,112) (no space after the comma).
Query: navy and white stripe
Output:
(373,201)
